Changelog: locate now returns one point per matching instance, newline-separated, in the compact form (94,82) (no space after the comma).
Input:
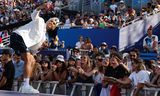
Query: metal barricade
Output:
(154,91)
(15,85)
(84,85)
(49,89)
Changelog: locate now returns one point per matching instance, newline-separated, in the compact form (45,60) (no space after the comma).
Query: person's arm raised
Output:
(35,13)
(44,5)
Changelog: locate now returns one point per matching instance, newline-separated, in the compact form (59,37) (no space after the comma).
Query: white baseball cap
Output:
(60,58)
(121,1)
(104,43)
(55,19)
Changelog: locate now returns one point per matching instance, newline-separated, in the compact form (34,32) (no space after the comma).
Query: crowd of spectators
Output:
(15,11)
(19,10)
(106,68)
(100,65)
(114,14)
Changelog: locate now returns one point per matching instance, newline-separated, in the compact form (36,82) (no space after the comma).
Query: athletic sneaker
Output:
(28,89)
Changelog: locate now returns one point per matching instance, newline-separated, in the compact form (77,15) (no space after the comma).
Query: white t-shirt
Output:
(149,41)
(34,32)
(67,24)
(113,7)
(79,44)
(140,77)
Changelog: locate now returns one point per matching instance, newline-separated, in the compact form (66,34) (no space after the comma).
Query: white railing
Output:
(50,87)
(147,91)
(139,18)
(124,24)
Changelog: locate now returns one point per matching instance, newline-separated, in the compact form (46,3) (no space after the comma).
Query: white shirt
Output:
(140,77)
(149,42)
(33,33)
(67,24)
(79,44)
(113,7)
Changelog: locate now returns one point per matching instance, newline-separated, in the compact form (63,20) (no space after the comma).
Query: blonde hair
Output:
(88,60)
(140,64)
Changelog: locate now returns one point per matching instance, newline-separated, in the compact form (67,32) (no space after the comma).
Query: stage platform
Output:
(12,93)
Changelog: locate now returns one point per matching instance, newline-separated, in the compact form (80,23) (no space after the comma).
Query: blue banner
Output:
(97,36)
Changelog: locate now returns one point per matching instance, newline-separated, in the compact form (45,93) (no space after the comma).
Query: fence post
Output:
(54,88)
(132,92)
(83,89)
(15,85)
(39,84)
(90,92)
(47,88)
(72,92)
(156,93)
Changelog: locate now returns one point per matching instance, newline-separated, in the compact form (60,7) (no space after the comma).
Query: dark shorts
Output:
(17,43)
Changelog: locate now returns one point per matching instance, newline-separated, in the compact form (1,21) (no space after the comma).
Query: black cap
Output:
(114,48)
(76,49)
(18,53)
(6,51)
(116,54)
(72,58)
